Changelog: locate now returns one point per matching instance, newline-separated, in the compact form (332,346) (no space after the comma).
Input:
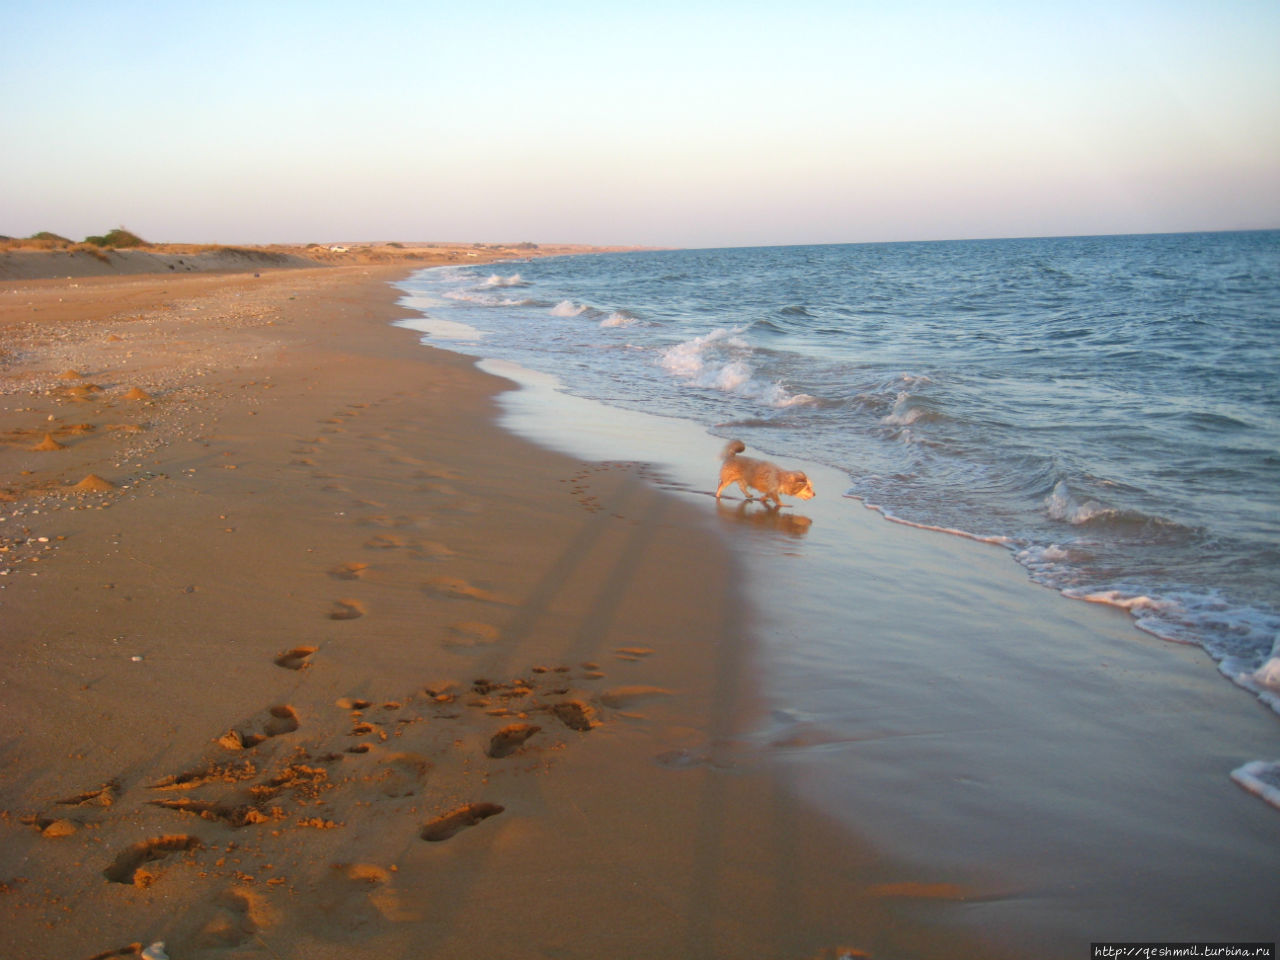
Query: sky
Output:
(694,123)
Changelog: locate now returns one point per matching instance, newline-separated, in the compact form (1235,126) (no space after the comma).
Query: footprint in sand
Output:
(385,541)
(130,865)
(349,571)
(459,589)
(299,658)
(241,913)
(622,697)
(433,550)
(357,894)
(232,772)
(393,522)
(238,815)
(510,739)
(278,720)
(347,610)
(472,633)
(634,654)
(402,774)
(575,714)
(104,796)
(452,823)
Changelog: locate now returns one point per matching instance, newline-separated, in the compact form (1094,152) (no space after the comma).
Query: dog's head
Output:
(796,484)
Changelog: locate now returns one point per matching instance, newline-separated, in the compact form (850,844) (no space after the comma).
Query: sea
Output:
(1106,409)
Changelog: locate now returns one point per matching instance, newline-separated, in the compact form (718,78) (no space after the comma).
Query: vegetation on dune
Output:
(48,240)
(119,237)
(46,237)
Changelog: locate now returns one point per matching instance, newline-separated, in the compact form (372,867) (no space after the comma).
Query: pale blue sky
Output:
(667,123)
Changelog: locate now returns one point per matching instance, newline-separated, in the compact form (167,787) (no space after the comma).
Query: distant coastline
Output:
(47,256)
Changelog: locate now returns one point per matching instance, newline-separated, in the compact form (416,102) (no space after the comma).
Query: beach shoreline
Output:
(1065,776)
(307,656)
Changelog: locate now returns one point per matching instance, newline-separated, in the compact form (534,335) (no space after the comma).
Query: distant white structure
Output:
(337,248)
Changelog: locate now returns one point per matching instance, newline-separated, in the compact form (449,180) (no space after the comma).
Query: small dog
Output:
(768,478)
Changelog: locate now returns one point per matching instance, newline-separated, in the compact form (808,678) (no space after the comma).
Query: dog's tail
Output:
(732,447)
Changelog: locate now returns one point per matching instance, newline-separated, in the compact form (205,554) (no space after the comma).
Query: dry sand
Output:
(304,657)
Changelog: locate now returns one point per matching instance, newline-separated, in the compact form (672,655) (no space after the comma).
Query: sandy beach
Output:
(305,656)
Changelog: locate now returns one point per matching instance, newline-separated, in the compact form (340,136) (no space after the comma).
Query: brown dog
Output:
(768,478)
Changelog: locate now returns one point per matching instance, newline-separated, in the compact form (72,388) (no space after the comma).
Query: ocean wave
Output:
(702,362)
(488,300)
(909,408)
(1062,505)
(768,327)
(619,318)
(497,280)
(567,308)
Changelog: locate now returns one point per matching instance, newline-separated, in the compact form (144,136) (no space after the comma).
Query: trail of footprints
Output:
(257,774)
(278,771)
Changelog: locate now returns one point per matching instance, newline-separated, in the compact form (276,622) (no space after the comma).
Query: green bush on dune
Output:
(119,237)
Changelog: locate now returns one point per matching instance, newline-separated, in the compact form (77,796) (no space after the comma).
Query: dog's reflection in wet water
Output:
(758,515)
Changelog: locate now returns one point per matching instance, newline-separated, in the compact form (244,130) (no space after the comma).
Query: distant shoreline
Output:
(20,261)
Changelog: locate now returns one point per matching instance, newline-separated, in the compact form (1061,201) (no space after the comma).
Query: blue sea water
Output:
(1108,408)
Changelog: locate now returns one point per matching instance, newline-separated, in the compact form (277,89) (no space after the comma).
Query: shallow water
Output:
(1067,773)
(1105,408)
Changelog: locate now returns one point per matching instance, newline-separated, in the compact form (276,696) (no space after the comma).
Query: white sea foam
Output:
(902,414)
(441,329)
(1238,637)
(1261,778)
(619,318)
(689,359)
(1117,598)
(702,361)
(1268,675)
(1061,505)
(950,531)
(1043,555)
(1263,680)
(497,280)
(567,308)
(1043,561)
(486,300)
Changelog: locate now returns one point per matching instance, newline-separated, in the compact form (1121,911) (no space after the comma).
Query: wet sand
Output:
(304,656)
(1050,774)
